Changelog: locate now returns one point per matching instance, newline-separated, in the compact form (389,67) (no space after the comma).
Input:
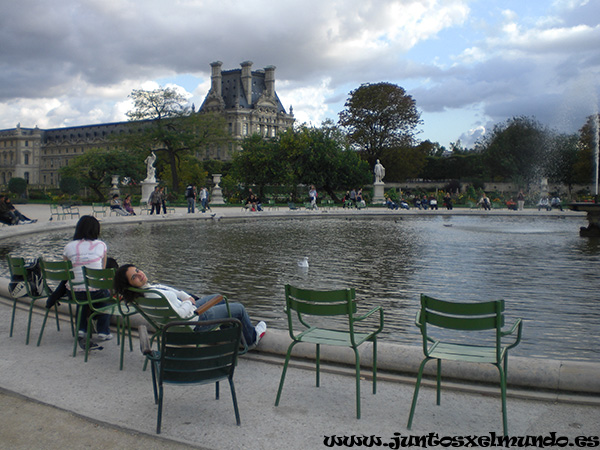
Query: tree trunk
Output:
(174,174)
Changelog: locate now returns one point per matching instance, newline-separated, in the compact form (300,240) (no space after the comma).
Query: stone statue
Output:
(150,170)
(379,171)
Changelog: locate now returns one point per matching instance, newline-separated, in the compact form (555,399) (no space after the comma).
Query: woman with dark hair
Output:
(184,304)
(87,250)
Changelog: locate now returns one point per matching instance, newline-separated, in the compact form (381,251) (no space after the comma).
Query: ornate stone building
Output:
(249,103)
(247,100)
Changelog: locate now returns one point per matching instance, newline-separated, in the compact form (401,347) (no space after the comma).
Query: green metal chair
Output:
(158,312)
(54,272)
(193,358)
(311,305)
(464,317)
(55,212)
(103,280)
(62,270)
(17,268)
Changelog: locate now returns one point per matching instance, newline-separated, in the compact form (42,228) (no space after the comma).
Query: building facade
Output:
(248,101)
(246,98)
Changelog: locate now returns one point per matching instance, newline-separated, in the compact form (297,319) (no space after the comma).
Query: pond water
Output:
(547,274)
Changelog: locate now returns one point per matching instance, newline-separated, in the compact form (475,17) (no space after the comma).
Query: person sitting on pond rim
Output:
(115,205)
(185,305)
(127,205)
(484,202)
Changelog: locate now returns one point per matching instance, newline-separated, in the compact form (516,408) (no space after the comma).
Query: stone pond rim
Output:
(593,217)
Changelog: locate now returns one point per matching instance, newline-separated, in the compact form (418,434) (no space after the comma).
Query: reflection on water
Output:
(547,274)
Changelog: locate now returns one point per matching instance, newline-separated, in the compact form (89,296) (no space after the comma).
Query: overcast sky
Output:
(469,64)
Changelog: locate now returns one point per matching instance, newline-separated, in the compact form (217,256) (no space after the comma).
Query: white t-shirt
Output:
(177,299)
(85,253)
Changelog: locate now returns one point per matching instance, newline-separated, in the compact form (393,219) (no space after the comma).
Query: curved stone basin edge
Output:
(529,373)
(560,376)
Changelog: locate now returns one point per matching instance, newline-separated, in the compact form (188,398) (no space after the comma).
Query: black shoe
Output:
(93,345)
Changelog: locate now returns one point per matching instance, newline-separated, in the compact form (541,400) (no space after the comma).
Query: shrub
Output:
(17,186)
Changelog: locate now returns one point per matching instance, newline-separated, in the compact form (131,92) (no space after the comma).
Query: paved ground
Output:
(48,399)
(96,406)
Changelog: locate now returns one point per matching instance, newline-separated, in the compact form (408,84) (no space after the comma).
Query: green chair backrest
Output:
(309,304)
(57,271)
(97,279)
(203,357)
(461,316)
(320,303)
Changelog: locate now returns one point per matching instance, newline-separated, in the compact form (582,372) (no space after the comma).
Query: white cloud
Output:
(71,62)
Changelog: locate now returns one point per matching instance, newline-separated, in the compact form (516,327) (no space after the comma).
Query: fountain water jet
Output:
(592,209)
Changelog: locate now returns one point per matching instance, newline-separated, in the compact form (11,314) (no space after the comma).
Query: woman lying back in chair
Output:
(186,305)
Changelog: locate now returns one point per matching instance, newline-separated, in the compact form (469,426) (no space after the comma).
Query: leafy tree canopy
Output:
(516,150)
(306,155)
(171,129)
(380,117)
(95,167)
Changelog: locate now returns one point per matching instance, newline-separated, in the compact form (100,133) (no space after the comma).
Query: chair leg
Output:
(503,396)
(160,402)
(76,331)
(122,321)
(285,366)
(71,319)
(154,370)
(29,321)
(357,362)
(39,341)
(12,321)
(318,359)
(438,396)
(88,337)
(375,365)
(416,393)
(235,405)
(56,317)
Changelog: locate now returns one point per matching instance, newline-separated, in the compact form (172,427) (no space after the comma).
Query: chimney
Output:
(270,80)
(247,80)
(215,79)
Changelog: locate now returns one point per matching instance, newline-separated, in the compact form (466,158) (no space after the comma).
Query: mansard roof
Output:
(233,94)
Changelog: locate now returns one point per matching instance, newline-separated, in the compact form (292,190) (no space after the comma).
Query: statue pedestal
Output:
(114,188)
(378,189)
(147,189)
(216,195)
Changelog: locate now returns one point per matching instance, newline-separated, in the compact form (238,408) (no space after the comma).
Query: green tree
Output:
(516,150)
(69,185)
(562,159)
(260,163)
(380,117)
(321,157)
(589,138)
(95,167)
(17,185)
(168,127)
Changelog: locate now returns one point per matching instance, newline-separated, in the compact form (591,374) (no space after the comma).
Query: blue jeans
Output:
(219,311)
(191,204)
(102,320)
